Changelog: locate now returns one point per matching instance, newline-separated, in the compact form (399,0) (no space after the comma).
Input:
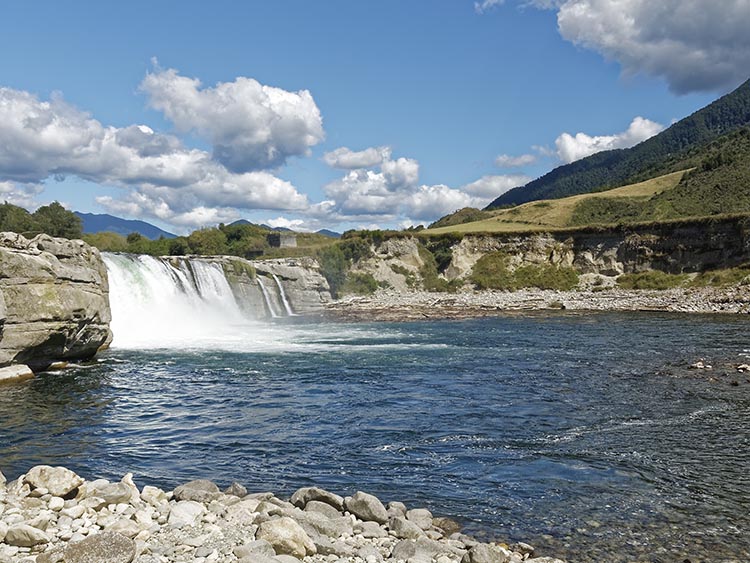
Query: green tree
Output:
(16,219)
(57,221)
(208,242)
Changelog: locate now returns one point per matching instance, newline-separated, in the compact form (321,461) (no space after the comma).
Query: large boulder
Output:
(23,535)
(54,300)
(287,537)
(367,507)
(200,490)
(307,494)
(104,547)
(59,481)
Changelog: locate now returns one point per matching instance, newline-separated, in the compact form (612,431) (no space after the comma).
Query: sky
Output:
(339,114)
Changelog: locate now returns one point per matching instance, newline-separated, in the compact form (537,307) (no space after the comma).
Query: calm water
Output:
(562,430)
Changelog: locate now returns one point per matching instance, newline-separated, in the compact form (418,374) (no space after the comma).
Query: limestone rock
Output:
(287,537)
(235,489)
(200,490)
(3,530)
(15,373)
(257,547)
(58,481)
(421,548)
(3,480)
(185,513)
(544,560)
(486,553)
(447,525)
(404,529)
(421,517)
(306,494)
(23,535)
(104,547)
(54,301)
(367,507)
(322,508)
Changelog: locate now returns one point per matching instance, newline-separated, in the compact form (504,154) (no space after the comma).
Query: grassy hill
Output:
(661,154)
(712,180)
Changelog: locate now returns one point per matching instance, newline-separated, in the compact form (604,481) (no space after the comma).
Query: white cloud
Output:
(484,5)
(250,125)
(351,160)
(509,161)
(571,148)
(695,45)
(165,179)
(23,195)
(490,187)
(432,202)
(401,173)
(283,222)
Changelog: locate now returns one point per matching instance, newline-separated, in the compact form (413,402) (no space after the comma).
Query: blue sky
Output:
(457,101)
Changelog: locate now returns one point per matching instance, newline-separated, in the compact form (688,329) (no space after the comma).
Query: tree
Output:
(57,221)
(208,242)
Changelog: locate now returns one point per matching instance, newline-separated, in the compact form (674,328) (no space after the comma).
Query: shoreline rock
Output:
(421,305)
(102,522)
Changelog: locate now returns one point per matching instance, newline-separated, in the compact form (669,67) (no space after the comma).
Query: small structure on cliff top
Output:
(282,240)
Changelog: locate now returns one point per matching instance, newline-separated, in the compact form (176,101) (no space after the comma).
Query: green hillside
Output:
(712,180)
(663,153)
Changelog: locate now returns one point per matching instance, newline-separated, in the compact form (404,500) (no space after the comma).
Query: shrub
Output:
(720,278)
(492,271)
(653,279)
(333,266)
(360,283)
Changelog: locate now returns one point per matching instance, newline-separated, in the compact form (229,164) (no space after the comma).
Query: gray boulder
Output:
(322,508)
(486,553)
(54,300)
(287,537)
(185,513)
(235,489)
(404,529)
(367,507)
(23,535)
(421,517)
(200,490)
(257,547)
(58,481)
(304,495)
(104,547)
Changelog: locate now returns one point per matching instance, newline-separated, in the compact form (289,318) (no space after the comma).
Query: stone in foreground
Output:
(104,547)
(58,481)
(367,507)
(287,537)
(23,535)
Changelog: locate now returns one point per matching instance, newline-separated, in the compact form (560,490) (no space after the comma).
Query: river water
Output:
(579,433)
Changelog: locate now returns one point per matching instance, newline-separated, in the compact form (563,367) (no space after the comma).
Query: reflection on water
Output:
(556,430)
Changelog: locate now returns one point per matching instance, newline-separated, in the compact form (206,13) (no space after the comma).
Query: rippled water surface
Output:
(576,433)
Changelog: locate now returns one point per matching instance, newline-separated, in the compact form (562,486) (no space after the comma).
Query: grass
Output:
(559,213)
(653,279)
(492,271)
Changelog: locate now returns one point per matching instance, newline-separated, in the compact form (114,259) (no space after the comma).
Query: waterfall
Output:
(282,294)
(267,298)
(163,302)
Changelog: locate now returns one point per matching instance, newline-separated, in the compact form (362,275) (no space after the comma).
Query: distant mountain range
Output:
(97,223)
(656,156)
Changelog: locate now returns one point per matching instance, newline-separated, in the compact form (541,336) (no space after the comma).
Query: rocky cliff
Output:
(53,301)
(673,247)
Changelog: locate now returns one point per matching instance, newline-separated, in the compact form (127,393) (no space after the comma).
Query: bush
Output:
(360,283)
(653,279)
(333,267)
(492,271)
(431,280)
(721,278)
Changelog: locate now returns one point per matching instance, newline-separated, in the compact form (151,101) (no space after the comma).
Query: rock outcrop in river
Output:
(53,301)
(51,515)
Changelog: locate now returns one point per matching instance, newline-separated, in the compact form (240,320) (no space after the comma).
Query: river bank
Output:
(52,515)
(419,305)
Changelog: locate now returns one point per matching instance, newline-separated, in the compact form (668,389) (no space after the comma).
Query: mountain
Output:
(656,156)
(327,233)
(97,223)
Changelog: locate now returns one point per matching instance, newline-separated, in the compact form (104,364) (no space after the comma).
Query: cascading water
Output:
(158,304)
(282,294)
(267,298)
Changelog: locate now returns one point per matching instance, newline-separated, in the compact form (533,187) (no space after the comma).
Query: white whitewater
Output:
(267,298)
(282,294)
(157,304)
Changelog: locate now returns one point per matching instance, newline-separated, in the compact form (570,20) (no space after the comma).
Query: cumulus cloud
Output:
(283,222)
(347,159)
(250,125)
(571,148)
(490,187)
(695,45)
(23,195)
(164,179)
(508,161)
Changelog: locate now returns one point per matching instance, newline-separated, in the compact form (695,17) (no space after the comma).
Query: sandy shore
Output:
(401,306)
